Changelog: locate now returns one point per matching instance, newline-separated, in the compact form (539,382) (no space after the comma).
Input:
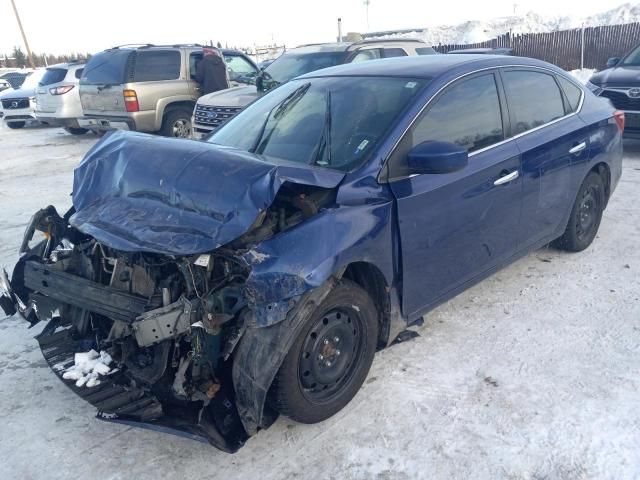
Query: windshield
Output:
(291,65)
(106,68)
(334,122)
(633,58)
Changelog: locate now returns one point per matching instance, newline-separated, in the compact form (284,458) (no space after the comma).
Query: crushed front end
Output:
(148,283)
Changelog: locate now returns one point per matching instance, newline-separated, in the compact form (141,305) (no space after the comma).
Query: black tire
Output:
(176,123)
(16,125)
(76,130)
(586,215)
(317,379)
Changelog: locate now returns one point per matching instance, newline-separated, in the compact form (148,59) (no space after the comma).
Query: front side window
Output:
(425,51)
(467,114)
(365,55)
(534,99)
(155,65)
(331,122)
(633,58)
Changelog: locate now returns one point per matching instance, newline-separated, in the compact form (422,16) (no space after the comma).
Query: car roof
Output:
(344,46)
(425,66)
(68,65)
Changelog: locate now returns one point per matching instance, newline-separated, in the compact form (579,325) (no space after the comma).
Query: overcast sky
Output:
(89,25)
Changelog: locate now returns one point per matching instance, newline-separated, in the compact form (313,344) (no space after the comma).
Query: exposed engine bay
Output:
(168,324)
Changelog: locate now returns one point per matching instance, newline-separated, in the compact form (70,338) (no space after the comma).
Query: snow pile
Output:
(87,368)
(583,75)
(479,31)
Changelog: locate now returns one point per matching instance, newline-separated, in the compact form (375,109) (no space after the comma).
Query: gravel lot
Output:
(534,373)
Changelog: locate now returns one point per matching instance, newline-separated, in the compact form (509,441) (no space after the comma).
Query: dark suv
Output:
(620,83)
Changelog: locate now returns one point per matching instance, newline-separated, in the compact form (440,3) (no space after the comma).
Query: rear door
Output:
(102,80)
(551,139)
(455,226)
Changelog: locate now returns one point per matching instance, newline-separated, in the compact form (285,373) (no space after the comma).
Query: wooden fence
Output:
(564,48)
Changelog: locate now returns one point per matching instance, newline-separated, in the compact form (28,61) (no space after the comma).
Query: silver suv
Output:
(214,109)
(58,98)
(148,88)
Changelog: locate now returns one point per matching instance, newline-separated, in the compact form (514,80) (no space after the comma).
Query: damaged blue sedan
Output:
(206,287)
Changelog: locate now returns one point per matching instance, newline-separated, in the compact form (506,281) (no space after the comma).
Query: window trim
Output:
(498,68)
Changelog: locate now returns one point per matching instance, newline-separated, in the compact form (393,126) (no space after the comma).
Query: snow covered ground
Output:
(475,31)
(532,374)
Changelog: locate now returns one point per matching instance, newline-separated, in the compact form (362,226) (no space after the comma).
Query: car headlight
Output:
(595,89)
(32,99)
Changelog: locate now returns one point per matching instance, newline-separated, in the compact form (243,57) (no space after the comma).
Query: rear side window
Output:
(534,99)
(78,73)
(53,75)
(572,92)
(425,51)
(154,65)
(467,114)
(393,52)
(106,68)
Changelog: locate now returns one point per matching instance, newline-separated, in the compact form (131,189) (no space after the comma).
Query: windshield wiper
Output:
(278,111)
(325,140)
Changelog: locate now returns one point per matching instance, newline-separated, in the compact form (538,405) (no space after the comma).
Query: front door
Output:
(455,226)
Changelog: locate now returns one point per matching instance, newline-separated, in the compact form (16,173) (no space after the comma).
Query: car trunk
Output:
(102,83)
(52,78)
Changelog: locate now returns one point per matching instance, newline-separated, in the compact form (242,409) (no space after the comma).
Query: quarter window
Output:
(156,65)
(572,92)
(534,99)
(467,114)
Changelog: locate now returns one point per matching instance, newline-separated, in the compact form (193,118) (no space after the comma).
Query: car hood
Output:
(231,97)
(624,76)
(137,192)
(20,93)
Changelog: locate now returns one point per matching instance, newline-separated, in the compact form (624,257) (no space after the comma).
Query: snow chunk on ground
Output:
(583,75)
(87,368)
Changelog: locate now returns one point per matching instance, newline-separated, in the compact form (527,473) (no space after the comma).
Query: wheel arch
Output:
(370,278)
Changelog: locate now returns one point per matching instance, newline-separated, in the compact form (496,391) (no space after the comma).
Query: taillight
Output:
(61,90)
(131,101)
(619,116)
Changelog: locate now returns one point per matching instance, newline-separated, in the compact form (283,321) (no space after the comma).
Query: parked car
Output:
(4,85)
(58,97)
(16,78)
(147,88)
(209,286)
(620,83)
(484,51)
(216,108)
(18,105)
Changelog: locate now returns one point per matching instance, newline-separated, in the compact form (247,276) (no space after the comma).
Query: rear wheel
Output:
(177,123)
(76,130)
(16,125)
(586,215)
(331,357)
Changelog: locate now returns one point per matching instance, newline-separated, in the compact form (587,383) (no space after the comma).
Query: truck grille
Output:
(621,100)
(15,103)
(214,116)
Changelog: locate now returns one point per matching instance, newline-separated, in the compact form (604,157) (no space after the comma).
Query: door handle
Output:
(510,177)
(578,148)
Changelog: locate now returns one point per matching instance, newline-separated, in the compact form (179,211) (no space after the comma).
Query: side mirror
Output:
(260,81)
(437,157)
(612,62)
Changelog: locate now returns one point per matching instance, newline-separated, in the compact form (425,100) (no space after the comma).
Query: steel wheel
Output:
(329,354)
(588,212)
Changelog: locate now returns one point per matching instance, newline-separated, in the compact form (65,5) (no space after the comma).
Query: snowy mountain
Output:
(478,31)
